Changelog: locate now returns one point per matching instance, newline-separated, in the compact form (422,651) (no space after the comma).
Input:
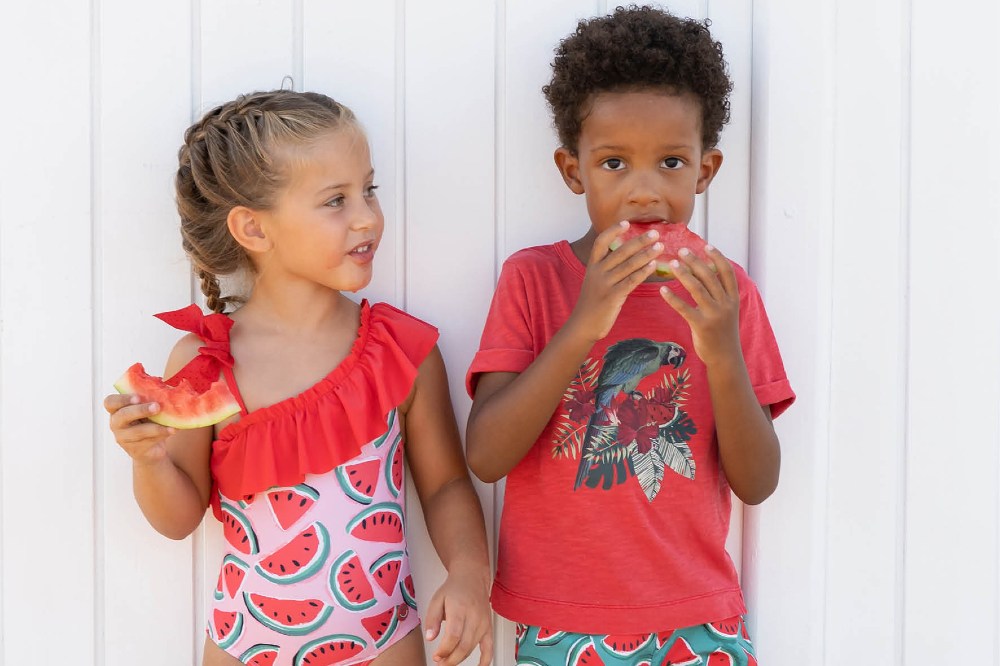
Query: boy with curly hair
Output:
(623,408)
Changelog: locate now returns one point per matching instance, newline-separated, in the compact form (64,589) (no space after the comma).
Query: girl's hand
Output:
(716,318)
(611,277)
(140,438)
(462,602)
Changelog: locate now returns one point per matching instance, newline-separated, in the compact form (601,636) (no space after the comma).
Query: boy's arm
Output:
(748,446)
(510,410)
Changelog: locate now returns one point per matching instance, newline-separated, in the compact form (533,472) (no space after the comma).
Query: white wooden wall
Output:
(860,188)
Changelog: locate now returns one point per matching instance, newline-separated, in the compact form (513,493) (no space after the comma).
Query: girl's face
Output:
(326,222)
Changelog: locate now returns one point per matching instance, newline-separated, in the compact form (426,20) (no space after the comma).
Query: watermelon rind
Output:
(407,597)
(578,649)
(306,571)
(335,588)
(391,556)
(217,593)
(274,625)
(389,463)
(150,388)
(390,630)
(390,507)
(380,440)
(603,646)
(234,635)
(232,559)
(348,487)
(551,639)
(245,523)
(335,638)
(258,649)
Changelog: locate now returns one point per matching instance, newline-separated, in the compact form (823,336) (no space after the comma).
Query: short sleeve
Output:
(760,350)
(506,344)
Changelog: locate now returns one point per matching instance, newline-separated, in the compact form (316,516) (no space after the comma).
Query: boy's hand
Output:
(141,439)
(611,277)
(716,319)
(462,602)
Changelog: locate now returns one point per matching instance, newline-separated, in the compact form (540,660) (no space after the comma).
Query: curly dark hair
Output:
(638,48)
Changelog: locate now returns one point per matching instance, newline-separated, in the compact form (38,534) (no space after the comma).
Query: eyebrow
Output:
(683,146)
(371,174)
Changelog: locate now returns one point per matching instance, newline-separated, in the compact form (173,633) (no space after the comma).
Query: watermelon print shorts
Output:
(724,643)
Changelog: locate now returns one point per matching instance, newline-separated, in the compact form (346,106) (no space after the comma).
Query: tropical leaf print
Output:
(578,405)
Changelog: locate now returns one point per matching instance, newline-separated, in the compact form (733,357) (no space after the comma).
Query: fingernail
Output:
(429,634)
(623,224)
(684,252)
(709,248)
(653,234)
(134,400)
(657,246)
(675,263)
(664,290)
(153,407)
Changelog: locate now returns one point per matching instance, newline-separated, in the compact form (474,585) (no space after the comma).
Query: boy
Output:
(623,409)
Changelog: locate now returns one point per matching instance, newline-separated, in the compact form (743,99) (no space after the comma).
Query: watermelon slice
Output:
(232,574)
(290,504)
(262,654)
(237,530)
(626,646)
(385,571)
(751,660)
(720,658)
(681,654)
(298,559)
(180,406)
(292,617)
(349,583)
(359,480)
(380,440)
(726,628)
(394,470)
(382,626)
(409,595)
(329,650)
(380,522)
(228,627)
(548,636)
(583,653)
(674,236)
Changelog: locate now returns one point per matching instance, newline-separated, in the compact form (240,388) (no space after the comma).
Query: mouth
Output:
(649,219)
(364,249)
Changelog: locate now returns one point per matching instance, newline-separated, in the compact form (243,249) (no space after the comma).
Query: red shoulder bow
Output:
(212,358)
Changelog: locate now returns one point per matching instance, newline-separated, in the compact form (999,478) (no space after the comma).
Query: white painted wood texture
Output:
(859,187)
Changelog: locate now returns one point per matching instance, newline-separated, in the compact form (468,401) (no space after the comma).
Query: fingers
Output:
(602,244)
(724,269)
(486,649)
(435,613)
(116,401)
(126,416)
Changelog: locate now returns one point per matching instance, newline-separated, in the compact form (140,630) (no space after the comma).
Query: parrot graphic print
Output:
(618,432)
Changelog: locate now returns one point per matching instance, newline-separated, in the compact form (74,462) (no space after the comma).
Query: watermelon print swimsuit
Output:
(311,495)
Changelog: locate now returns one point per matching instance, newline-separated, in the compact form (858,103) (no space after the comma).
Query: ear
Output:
(569,168)
(711,162)
(245,226)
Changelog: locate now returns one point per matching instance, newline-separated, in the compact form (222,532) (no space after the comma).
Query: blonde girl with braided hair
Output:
(278,188)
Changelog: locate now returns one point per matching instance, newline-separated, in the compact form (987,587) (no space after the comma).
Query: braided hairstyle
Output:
(637,49)
(233,157)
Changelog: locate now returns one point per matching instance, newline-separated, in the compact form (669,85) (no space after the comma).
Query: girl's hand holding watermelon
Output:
(141,439)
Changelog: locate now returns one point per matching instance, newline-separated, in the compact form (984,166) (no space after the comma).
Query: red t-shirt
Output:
(616,520)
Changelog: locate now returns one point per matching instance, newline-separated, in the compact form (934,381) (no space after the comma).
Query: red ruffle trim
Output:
(326,425)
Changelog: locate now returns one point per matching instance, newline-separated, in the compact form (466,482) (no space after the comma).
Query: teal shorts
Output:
(724,643)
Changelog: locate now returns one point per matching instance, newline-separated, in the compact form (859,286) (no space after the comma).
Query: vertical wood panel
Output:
(954,386)
(867,410)
(47,482)
(148,590)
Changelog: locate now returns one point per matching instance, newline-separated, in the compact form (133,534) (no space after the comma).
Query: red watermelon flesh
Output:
(262,654)
(359,479)
(625,646)
(751,660)
(294,617)
(674,236)
(726,628)
(329,650)
(290,504)
(409,594)
(681,654)
(233,572)
(349,583)
(394,470)
(298,559)
(381,522)
(237,530)
(586,657)
(181,406)
(385,571)
(720,658)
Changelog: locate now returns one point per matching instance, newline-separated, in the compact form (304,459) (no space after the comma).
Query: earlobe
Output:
(569,168)
(245,226)
(711,162)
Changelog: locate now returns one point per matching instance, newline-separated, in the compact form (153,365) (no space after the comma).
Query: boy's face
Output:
(640,158)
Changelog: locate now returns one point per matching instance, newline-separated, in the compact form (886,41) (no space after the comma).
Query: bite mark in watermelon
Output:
(181,406)
(394,468)
(674,236)
(382,626)
(233,571)
(409,594)
(385,571)
(681,654)
(359,479)
(726,628)
(298,559)
(228,627)
(720,658)
(330,650)
(262,654)
(237,530)
(292,617)
(381,522)
(289,504)
(349,583)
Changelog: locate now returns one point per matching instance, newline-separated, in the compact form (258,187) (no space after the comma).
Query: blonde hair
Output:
(231,157)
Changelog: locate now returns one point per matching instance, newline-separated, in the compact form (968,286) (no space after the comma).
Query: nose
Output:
(644,190)
(367,215)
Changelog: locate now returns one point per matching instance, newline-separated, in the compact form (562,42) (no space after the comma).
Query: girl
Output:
(307,478)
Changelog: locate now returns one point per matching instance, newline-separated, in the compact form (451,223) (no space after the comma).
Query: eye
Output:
(613,164)
(370,191)
(673,163)
(335,202)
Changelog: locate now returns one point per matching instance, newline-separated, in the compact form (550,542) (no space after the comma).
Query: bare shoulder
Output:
(184,350)
(431,378)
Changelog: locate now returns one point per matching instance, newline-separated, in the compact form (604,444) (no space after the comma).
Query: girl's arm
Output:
(453,515)
(748,446)
(170,468)
(510,410)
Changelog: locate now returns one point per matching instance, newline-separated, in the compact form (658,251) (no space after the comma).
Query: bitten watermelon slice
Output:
(262,654)
(292,617)
(674,236)
(385,571)
(290,504)
(298,559)
(349,583)
(381,522)
(394,467)
(359,479)
(180,406)
(681,654)
(237,530)
(330,650)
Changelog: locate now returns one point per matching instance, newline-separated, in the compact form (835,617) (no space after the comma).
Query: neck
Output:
(297,307)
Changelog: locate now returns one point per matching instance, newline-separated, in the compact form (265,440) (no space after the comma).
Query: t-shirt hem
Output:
(617,619)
